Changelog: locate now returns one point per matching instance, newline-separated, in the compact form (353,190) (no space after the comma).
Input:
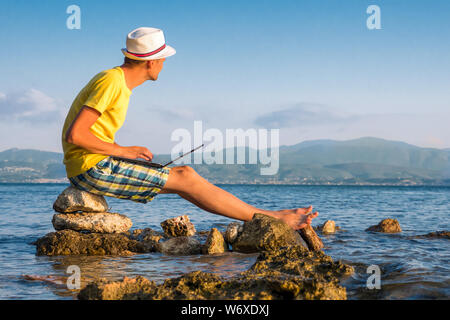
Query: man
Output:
(99,111)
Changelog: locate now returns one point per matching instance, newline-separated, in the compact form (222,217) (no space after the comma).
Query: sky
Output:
(309,68)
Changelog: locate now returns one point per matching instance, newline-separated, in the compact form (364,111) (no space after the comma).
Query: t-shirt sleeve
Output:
(104,91)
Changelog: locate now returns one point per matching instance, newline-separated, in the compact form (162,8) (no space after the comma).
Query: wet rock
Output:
(287,273)
(73,200)
(299,261)
(215,243)
(435,235)
(234,229)
(128,288)
(311,238)
(179,226)
(263,233)
(328,227)
(148,237)
(386,226)
(69,242)
(180,246)
(102,222)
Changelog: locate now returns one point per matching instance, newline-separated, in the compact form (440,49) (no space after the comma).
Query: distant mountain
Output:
(359,161)
(27,165)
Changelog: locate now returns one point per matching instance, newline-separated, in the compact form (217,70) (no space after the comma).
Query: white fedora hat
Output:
(147,44)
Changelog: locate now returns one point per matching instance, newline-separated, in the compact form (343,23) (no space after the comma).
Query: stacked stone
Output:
(84,225)
(85,211)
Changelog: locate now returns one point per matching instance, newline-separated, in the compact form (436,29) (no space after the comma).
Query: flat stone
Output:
(102,222)
(215,243)
(73,200)
(311,238)
(180,246)
(69,242)
(128,288)
(263,233)
(234,229)
(179,226)
(386,226)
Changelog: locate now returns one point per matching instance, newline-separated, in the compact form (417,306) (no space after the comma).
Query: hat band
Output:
(149,53)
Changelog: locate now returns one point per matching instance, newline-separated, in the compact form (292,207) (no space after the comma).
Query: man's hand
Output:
(136,152)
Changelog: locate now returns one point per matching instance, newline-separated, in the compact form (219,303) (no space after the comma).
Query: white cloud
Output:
(31,105)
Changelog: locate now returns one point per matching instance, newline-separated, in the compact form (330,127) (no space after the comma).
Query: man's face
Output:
(154,67)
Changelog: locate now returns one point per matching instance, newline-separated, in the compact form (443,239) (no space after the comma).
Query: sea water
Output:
(411,268)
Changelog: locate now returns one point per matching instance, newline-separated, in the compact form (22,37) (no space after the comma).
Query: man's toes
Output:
(313,215)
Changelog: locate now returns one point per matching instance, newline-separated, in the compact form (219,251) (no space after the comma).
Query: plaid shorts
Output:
(123,180)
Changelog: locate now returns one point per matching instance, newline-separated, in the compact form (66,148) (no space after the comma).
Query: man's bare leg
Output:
(185,182)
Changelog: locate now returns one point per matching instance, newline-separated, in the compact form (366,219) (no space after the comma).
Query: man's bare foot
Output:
(297,218)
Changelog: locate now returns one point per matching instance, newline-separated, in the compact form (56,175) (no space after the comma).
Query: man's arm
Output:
(79,133)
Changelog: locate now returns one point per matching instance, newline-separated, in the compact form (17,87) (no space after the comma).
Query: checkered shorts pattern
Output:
(122,179)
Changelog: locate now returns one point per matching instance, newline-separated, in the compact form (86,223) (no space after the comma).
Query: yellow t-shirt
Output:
(108,93)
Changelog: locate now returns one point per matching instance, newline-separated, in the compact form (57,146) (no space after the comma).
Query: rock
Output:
(215,243)
(386,226)
(102,222)
(298,260)
(263,233)
(179,226)
(234,229)
(148,237)
(73,199)
(311,238)
(288,273)
(328,227)
(69,242)
(180,246)
(119,290)
(435,235)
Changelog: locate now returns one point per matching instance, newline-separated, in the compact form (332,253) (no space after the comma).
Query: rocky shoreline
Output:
(290,265)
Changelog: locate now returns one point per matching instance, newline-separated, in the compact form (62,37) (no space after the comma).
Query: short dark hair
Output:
(132,62)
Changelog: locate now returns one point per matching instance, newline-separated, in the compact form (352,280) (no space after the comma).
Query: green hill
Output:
(359,161)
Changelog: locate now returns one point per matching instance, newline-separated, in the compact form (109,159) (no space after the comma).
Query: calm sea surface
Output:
(410,268)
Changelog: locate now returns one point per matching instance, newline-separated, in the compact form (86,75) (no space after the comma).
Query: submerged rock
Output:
(102,222)
(69,242)
(311,238)
(435,235)
(73,200)
(215,243)
(179,226)
(287,273)
(180,246)
(386,226)
(264,233)
(234,229)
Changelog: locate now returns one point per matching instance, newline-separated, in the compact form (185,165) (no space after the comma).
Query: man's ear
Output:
(149,64)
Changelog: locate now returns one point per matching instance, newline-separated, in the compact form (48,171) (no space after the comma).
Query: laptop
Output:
(153,164)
